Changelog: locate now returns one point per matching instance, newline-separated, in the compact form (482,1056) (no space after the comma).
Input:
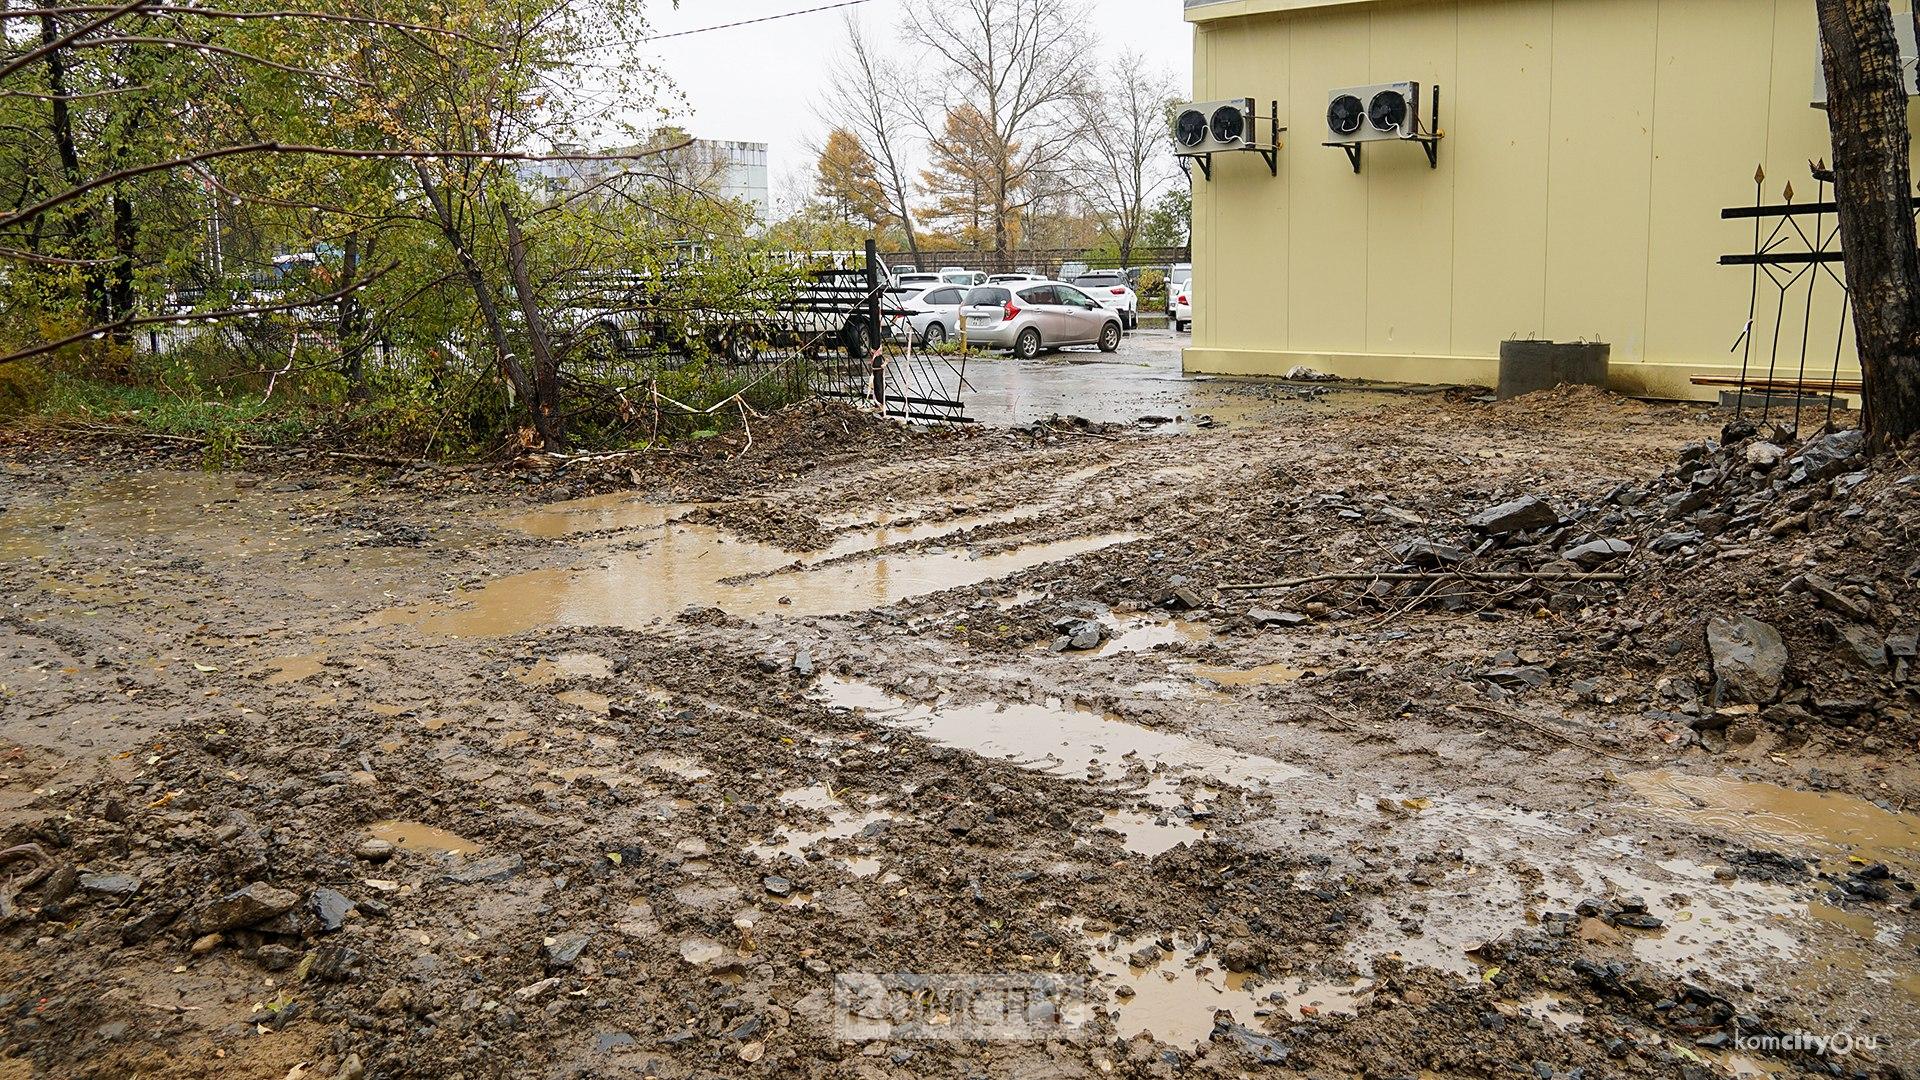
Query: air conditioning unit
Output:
(1357,114)
(1210,127)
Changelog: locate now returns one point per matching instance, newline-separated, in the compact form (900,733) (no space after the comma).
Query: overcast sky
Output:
(759,83)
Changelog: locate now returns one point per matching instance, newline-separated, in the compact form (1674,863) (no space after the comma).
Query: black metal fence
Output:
(1797,345)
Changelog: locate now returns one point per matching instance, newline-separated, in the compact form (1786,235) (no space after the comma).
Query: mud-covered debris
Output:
(1749,659)
(1520,677)
(1764,455)
(777,885)
(256,903)
(206,943)
(803,663)
(1524,514)
(1264,617)
(1182,598)
(491,868)
(276,957)
(374,850)
(537,990)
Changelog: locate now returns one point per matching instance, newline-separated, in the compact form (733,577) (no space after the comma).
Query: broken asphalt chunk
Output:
(1521,515)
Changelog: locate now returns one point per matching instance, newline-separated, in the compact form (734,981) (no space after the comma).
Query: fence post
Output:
(875,343)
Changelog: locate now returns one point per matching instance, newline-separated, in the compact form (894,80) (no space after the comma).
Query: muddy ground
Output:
(322,770)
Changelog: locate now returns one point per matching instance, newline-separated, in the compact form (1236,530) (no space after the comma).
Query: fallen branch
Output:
(1543,729)
(1431,575)
(111,431)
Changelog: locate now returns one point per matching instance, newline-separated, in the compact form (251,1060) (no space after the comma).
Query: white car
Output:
(1180,306)
(916,279)
(927,314)
(1111,288)
(954,275)
(1002,279)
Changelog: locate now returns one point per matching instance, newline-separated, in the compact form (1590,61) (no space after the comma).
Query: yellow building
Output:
(1589,146)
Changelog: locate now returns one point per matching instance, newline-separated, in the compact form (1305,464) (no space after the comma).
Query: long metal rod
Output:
(1753,303)
(1806,323)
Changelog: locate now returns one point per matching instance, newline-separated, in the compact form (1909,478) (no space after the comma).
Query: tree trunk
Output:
(484,298)
(546,371)
(120,290)
(1867,113)
(351,325)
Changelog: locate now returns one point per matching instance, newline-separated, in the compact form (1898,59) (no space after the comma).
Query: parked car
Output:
(916,278)
(934,313)
(1042,315)
(1180,306)
(1114,292)
(954,275)
(1018,278)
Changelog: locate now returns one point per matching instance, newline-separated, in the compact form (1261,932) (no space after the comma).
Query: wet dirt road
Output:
(446,774)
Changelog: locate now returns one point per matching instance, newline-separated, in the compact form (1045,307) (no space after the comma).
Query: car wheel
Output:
(1180,327)
(1128,320)
(935,336)
(1110,337)
(1027,345)
(856,339)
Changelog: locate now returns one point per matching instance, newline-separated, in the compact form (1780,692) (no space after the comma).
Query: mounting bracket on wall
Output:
(1377,120)
(1204,129)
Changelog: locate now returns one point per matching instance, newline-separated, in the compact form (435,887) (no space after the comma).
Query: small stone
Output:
(1637,921)
(277,957)
(532,991)
(205,944)
(351,1069)
(374,851)
(777,885)
(1830,597)
(1764,455)
(803,663)
(1078,635)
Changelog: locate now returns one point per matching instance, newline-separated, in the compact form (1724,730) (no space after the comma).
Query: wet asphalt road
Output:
(1142,379)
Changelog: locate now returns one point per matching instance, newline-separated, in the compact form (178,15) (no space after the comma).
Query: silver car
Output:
(927,314)
(1044,315)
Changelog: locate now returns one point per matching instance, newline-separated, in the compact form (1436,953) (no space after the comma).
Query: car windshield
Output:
(988,296)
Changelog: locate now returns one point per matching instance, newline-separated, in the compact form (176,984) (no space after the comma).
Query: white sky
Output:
(760,83)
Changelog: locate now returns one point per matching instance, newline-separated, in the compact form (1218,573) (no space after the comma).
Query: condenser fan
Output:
(1388,110)
(1229,124)
(1191,128)
(1345,114)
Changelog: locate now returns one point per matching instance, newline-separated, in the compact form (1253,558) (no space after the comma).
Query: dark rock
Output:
(1521,515)
(803,663)
(1637,920)
(1263,1049)
(1078,635)
(1528,677)
(1183,599)
(142,929)
(563,949)
(1826,456)
(491,868)
(330,908)
(1831,598)
(1597,553)
(110,884)
(1867,644)
(777,885)
(1749,658)
(256,903)
(1429,554)
(610,1041)
(335,963)
(1674,541)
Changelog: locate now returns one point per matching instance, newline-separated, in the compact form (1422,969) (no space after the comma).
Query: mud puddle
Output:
(421,837)
(844,822)
(1069,742)
(685,565)
(1824,822)
(1168,987)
